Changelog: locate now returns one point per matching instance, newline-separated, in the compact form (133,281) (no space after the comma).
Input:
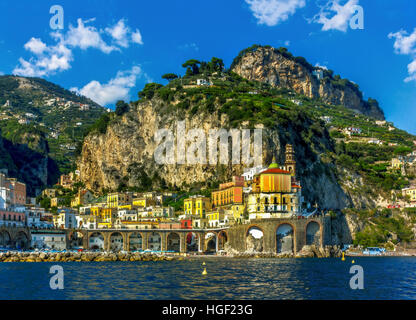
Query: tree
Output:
(45,203)
(192,66)
(121,107)
(169,76)
(149,90)
(216,64)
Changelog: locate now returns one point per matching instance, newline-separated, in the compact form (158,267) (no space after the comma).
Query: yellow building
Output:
(96,211)
(275,192)
(144,202)
(396,163)
(83,197)
(49,193)
(57,202)
(410,193)
(114,200)
(197,206)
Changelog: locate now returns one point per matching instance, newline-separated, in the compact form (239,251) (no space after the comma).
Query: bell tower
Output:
(290,162)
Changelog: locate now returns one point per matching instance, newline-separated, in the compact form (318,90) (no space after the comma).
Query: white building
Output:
(65,219)
(203,82)
(319,73)
(48,239)
(249,173)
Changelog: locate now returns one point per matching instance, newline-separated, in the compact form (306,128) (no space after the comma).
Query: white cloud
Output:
(117,88)
(406,44)
(136,37)
(189,46)
(335,16)
(119,33)
(35,45)
(85,37)
(49,59)
(272,12)
(321,66)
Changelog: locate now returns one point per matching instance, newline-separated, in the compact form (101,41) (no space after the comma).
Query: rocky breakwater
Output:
(311,251)
(82,257)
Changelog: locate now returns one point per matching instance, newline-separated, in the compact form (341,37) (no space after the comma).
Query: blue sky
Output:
(109,49)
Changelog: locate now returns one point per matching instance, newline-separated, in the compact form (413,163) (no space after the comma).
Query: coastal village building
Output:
(12,192)
(275,192)
(12,219)
(83,197)
(65,219)
(114,200)
(48,239)
(87,221)
(49,193)
(197,206)
(68,180)
(410,193)
(57,202)
(144,202)
(228,193)
(249,174)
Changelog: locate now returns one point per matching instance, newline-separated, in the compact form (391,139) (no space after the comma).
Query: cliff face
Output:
(124,156)
(27,159)
(268,65)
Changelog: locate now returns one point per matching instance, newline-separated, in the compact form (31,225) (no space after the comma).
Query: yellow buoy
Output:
(203,263)
(353,261)
(204,272)
(343,257)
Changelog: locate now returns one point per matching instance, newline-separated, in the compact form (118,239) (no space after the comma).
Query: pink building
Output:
(12,219)
(170,225)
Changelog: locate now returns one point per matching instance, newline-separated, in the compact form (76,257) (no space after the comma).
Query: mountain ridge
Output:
(281,69)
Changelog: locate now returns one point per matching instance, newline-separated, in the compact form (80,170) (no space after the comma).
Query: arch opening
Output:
(191,241)
(254,240)
(173,242)
(96,241)
(116,242)
(136,242)
(313,234)
(154,242)
(284,239)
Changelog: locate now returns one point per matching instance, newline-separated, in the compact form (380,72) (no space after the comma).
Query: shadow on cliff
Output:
(340,231)
(34,168)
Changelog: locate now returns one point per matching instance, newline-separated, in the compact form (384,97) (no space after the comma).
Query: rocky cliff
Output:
(26,158)
(279,68)
(123,156)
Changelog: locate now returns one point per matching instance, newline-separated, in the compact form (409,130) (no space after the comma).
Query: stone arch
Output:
(211,241)
(116,241)
(254,239)
(285,238)
(313,234)
(75,239)
(21,240)
(173,241)
(191,242)
(96,241)
(5,239)
(135,241)
(222,239)
(154,242)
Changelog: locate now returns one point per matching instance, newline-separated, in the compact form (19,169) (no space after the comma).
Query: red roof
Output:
(296,186)
(275,170)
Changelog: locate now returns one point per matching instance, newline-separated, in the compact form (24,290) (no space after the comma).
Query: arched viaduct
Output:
(278,235)
(15,237)
(179,240)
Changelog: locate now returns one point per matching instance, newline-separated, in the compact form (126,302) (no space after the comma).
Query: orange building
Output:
(229,193)
(19,191)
